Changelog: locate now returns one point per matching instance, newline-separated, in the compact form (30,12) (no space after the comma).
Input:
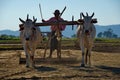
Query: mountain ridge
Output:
(68,31)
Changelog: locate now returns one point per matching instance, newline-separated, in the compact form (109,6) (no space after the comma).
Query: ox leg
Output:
(89,54)
(32,58)
(51,50)
(27,64)
(27,57)
(32,61)
(86,57)
(83,51)
(28,60)
(83,63)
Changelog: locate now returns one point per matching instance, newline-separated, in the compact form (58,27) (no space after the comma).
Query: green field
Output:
(100,44)
(16,41)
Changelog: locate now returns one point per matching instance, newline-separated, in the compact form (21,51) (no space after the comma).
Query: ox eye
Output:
(83,21)
(33,28)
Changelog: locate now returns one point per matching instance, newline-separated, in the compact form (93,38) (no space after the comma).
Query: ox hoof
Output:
(32,67)
(82,65)
(27,66)
(59,57)
(49,57)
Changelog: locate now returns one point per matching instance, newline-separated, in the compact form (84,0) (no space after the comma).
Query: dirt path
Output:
(105,66)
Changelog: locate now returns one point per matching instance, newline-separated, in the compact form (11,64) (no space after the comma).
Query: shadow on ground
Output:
(45,69)
(114,70)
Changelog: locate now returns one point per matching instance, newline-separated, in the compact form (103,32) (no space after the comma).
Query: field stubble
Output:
(105,66)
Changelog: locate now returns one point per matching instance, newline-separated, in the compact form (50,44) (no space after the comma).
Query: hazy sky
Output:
(106,11)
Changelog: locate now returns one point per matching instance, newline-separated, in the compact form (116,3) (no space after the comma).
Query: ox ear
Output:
(83,15)
(92,15)
(94,21)
(81,20)
(21,27)
(34,20)
(22,20)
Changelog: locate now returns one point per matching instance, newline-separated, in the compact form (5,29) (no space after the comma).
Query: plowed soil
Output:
(105,66)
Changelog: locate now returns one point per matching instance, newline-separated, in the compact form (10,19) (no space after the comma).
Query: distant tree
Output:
(115,36)
(3,37)
(100,35)
(73,36)
(107,34)
(7,37)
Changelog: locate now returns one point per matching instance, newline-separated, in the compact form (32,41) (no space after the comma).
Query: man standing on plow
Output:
(55,40)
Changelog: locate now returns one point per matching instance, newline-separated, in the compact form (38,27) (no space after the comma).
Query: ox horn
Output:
(83,15)
(34,20)
(87,14)
(21,20)
(92,15)
(27,16)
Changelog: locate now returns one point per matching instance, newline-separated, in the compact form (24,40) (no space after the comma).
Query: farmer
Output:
(54,29)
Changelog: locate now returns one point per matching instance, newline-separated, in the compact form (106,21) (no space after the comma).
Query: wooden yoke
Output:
(78,22)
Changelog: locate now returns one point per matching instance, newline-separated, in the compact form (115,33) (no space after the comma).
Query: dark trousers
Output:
(55,44)
(53,41)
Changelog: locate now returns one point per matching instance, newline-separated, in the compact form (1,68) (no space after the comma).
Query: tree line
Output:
(107,34)
(8,37)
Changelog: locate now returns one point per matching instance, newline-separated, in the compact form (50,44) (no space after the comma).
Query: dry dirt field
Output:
(105,66)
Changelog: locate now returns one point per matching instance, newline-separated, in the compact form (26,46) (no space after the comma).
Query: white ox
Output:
(30,36)
(86,34)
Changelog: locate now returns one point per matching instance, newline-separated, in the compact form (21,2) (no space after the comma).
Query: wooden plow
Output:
(44,24)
